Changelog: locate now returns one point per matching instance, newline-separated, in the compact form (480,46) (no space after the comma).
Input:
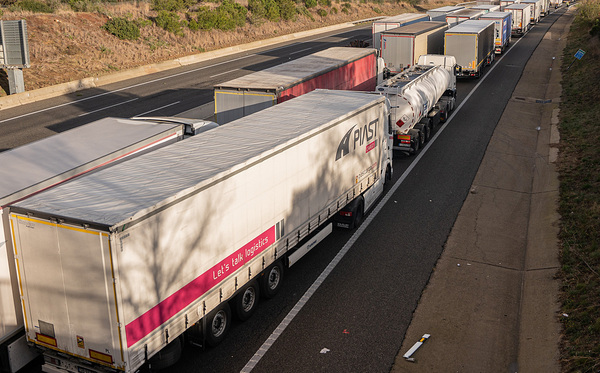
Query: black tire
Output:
(246,301)
(359,215)
(218,323)
(168,356)
(271,280)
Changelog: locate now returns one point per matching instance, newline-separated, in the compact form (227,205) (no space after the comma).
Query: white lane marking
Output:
(313,288)
(107,107)
(123,89)
(158,108)
(223,73)
(300,51)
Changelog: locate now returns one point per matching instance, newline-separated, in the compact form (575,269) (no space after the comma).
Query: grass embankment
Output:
(579,170)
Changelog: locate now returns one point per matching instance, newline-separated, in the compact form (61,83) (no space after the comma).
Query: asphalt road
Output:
(356,319)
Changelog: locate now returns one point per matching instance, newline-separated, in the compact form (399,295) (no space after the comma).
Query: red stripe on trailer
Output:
(159,314)
(359,75)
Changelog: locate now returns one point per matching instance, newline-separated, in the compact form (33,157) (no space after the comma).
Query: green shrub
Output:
(34,6)
(287,9)
(169,21)
(326,3)
(122,28)
(226,16)
(305,12)
(334,10)
(193,25)
(322,12)
(310,3)
(257,8)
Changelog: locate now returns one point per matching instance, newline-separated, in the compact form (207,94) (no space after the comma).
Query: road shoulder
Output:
(492,300)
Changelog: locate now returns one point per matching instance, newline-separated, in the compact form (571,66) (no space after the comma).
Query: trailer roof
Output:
(516,6)
(470,26)
(485,6)
(496,15)
(134,188)
(40,164)
(465,12)
(294,72)
(401,18)
(448,8)
(416,28)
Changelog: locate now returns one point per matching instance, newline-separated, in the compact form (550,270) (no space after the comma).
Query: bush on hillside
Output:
(33,6)
(169,21)
(122,28)
(226,16)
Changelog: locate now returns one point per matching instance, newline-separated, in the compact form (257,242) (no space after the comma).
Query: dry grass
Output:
(67,46)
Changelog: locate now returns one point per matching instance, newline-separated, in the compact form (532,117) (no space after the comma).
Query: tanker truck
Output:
(420,97)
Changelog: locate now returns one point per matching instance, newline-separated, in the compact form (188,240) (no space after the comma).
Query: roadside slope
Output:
(492,301)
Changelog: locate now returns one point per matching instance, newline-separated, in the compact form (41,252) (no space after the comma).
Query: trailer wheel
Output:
(167,356)
(359,214)
(272,279)
(217,324)
(246,301)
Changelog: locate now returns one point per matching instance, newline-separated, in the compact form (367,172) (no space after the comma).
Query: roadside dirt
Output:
(66,46)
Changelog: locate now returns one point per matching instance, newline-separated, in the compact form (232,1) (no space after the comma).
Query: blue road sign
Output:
(579,54)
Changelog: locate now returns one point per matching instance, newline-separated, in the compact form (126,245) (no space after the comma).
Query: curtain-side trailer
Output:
(43,164)
(521,18)
(343,68)
(402,46)
(502,31)
(116,265)
(393,22)
(472,44)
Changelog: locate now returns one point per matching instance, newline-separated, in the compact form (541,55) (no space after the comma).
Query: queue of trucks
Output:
(116,248)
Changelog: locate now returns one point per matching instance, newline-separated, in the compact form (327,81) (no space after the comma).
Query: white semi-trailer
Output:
(421,97)
(43,164)
(116,265)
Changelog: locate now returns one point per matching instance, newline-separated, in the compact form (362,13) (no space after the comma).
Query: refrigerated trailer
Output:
(462,15)
(502,30)
(486,8)
(505,3)
(472,44)
(342,68)
(402,46)
(41,165)
(439,14)
(393,22)
(521,18)
(535,8)
(116,265)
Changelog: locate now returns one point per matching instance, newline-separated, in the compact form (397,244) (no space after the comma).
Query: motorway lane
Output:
(361,311)
(164,93)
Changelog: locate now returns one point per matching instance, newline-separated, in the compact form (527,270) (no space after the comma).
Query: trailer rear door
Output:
(61,311)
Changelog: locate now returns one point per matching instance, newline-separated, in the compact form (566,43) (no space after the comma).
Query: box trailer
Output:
(342,68)
(472,44)
(462,15)
(116,265)
(535,8)
(521,18)
(439,14)
(393,22)
(505,3)
(486,8)
(43,164)
(502,30)
(402,46)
